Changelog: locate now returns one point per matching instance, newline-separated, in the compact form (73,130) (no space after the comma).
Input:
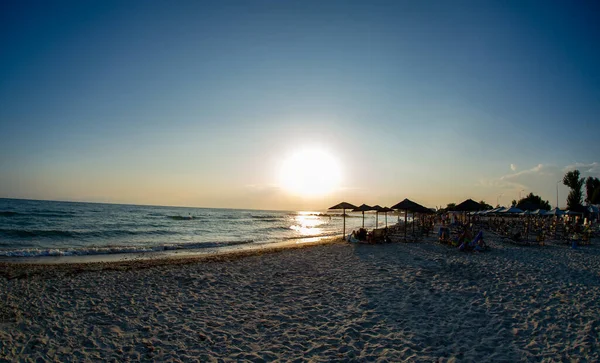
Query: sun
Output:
(310,172)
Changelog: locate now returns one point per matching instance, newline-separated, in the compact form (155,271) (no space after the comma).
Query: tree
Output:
(484,205)
(533,202)
(592,190)
(449,207)
(575,197)
(513,203)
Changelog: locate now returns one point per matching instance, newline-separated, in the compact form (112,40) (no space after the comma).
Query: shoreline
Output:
(19,268)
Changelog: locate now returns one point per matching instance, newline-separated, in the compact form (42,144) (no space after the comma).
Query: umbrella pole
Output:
(405,221)
(386,220)
(363,226)
(376,219)
(344,218)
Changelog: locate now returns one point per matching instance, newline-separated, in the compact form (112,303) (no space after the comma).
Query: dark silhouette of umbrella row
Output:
(343,206)
(409,206)
(468,205)
(406,205)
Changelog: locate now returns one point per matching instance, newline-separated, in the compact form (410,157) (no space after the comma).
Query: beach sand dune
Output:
(335,302)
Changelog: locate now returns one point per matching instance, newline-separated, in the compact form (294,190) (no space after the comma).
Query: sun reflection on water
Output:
(306,223)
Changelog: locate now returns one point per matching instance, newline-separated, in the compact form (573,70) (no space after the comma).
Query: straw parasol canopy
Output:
(469,205)
(363,208)
(343,206)
(408,205)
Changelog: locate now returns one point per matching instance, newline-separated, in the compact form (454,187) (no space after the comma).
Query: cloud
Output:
(592,169)
(540,170)
(544,180)
(513,167)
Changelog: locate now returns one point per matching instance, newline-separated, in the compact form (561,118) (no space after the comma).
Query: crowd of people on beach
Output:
(565,229)
(466,233)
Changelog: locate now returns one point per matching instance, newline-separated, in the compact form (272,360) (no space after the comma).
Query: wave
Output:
(38,214)
(8,214)
(330,234)
(312,214)
(55,233)
(182,218)
(107,250)
(267,217)
(227,217)
(274,228)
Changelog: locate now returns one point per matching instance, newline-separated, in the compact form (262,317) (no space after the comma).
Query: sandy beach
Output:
(331,302)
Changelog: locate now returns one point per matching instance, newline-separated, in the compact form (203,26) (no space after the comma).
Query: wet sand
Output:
(331,302)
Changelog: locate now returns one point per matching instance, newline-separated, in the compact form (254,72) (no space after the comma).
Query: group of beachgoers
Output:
(572,230)
(465,240)
(467,234)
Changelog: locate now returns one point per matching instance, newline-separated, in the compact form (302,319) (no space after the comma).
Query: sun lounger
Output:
(444,235)
(377,236)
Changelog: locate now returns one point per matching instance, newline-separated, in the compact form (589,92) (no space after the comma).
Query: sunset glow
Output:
(309,173)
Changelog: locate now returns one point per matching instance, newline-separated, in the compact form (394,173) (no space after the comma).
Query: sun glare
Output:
(310,173)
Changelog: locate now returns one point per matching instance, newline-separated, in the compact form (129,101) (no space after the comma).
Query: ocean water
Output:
(31,228)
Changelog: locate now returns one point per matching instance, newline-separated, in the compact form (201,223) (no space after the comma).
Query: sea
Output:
(35,228)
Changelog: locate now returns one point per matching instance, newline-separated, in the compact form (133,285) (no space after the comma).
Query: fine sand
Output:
(334,302)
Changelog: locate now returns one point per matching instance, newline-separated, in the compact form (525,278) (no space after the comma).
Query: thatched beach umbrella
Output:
(363,208)
(408,205)
(386,210)
(377,208)
(469,205)
(343,206)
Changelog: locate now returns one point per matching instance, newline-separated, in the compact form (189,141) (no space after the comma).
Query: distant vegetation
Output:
(575,183)
(451,206)
(532,202)
(592,190)
(484,205)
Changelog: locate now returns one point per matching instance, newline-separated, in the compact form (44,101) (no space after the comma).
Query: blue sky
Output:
(196,103)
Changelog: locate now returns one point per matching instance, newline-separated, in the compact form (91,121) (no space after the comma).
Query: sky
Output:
(200,103)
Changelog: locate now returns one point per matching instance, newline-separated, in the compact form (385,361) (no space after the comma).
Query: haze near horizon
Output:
(297,104)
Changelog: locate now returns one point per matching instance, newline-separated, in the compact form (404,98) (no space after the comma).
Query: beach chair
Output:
(541,238)
(476,244)
(377,236)
(444,235)
(585,238)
